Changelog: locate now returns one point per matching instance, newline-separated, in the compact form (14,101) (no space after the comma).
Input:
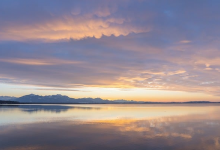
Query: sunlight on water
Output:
(110,127)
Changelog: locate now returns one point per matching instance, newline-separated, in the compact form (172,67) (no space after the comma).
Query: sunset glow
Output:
(125,49)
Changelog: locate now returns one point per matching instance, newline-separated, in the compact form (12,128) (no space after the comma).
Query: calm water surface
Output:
(132,127)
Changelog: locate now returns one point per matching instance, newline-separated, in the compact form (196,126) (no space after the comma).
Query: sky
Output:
(146,50)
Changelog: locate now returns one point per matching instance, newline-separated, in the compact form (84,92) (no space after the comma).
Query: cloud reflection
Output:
(177,133)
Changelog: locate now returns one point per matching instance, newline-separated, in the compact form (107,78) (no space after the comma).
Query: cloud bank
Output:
(165,45)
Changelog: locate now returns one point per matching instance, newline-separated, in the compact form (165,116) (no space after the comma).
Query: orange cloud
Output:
(70,28)
(185,41)
(38,61)
(176,72)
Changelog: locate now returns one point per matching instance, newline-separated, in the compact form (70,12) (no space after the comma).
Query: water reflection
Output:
(45,108)
(174,132)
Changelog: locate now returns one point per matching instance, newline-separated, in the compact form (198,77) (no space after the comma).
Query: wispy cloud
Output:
(26,61)
(185,41)
(56,89)
(120,44)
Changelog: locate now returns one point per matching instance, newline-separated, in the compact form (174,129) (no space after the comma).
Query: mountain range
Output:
(62,99)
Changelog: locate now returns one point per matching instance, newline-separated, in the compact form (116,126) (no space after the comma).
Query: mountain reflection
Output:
(189,132)
(46,108)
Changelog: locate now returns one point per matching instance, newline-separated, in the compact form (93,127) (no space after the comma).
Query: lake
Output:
(110,127)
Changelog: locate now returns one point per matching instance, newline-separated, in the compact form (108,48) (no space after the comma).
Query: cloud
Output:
(37,62)
(185,41)
(55,89)
(121,44)
(99,63)
(69,28)
(70,24)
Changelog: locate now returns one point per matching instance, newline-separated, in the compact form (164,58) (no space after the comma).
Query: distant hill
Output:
(57,99)
(62,99)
